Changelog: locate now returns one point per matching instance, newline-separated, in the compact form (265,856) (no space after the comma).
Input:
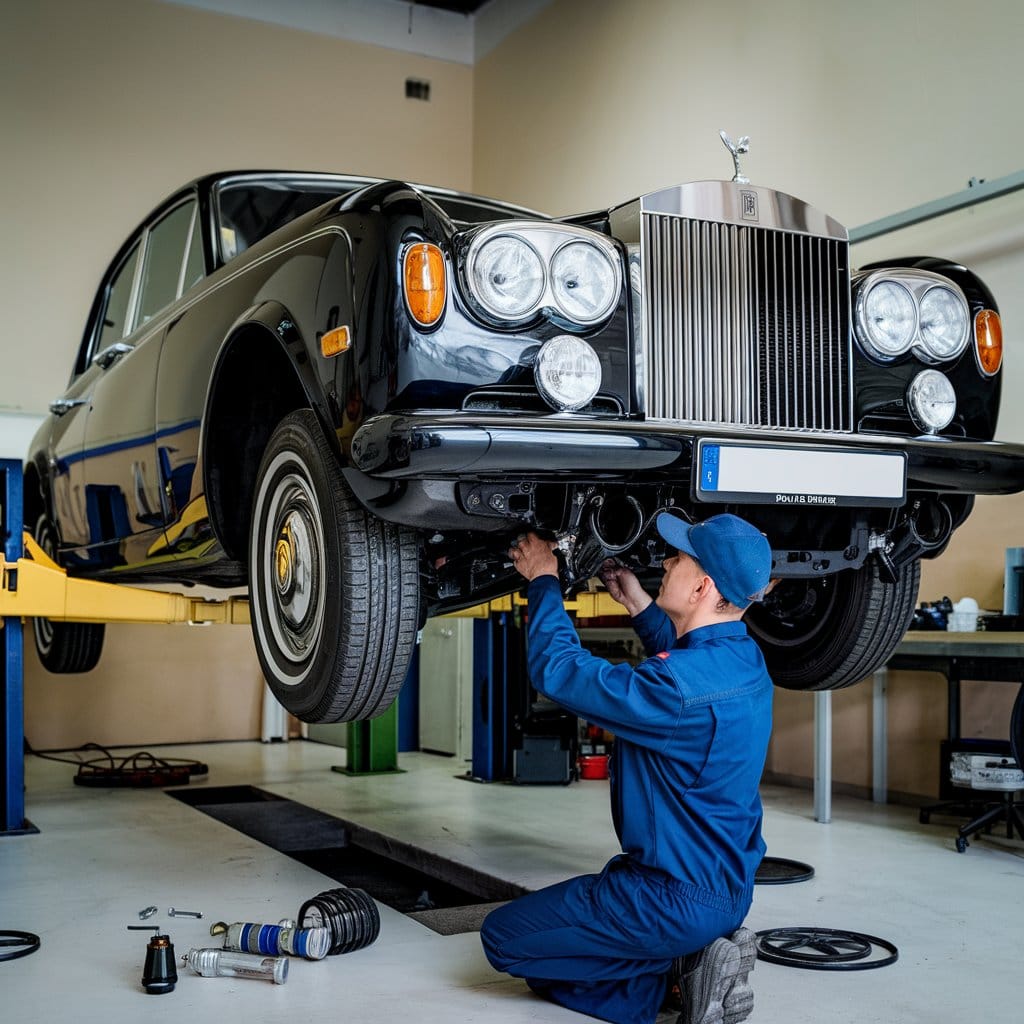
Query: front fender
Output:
(263,371)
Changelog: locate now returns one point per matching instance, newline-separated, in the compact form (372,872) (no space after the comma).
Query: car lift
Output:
(32,584)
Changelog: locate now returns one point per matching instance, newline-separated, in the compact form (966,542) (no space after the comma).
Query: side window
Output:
(165,251)
(115,316)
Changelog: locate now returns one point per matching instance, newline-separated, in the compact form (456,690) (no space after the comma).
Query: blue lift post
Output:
(493,658)
(12,736)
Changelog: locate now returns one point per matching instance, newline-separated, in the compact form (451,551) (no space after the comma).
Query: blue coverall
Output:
(691,726)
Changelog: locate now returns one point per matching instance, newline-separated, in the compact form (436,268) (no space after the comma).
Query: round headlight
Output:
(944,321)
(508,277)
(888,317)
(583,282)
(932,401)
(567,372)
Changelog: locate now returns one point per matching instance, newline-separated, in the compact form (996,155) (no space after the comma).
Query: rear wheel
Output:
(64,647)
(831,632)
(334,591)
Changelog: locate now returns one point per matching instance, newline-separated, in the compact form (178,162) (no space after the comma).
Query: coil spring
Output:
(350,915)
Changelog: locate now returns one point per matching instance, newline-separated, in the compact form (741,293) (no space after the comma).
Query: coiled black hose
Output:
(350,914)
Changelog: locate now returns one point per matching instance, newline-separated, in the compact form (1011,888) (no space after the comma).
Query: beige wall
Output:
(863,109)
(109,105)
(154,684)
(106,106)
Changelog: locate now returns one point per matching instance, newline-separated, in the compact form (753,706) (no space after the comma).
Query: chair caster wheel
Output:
(961,844)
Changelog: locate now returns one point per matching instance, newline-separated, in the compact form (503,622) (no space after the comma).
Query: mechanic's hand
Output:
(623,586)
(533,557)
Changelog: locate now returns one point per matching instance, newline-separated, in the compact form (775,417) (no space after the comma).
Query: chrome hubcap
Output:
(294,561)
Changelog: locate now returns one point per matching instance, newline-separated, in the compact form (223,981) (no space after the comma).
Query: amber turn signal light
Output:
(988,337)
(423,279)
(335,342)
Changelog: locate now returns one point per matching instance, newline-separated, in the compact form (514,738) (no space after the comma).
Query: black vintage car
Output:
(350,395)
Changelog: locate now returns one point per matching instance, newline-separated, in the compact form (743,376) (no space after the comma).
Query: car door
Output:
(123,485)
(71,409)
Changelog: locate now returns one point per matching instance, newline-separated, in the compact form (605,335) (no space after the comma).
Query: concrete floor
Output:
(101,855)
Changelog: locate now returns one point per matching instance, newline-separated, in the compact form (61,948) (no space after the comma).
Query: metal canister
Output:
(223,963)
(275,939)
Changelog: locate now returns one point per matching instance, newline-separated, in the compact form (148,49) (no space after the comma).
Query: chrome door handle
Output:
(59,406)
(110,355)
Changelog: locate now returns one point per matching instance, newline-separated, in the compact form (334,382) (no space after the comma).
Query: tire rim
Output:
(796,615)
(292,576)
(825,949)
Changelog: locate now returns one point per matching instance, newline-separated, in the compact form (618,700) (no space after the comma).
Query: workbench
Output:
(982,656)
(995,657)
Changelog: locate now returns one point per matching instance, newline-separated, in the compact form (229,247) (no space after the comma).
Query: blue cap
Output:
(736,555)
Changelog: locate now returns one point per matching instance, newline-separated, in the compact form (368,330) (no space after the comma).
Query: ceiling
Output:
(452,30)
(458,6)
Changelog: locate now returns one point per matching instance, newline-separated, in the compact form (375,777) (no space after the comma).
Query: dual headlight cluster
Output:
(901,311)
(517,271)
(912,309)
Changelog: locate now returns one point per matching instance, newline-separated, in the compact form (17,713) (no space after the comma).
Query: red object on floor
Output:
(593,766)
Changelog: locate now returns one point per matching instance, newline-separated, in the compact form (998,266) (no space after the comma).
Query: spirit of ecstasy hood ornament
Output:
(737,149)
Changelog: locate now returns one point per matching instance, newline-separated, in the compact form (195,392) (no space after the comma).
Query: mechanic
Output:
(659,928)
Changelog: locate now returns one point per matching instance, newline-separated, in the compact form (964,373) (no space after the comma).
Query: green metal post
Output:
(372,747)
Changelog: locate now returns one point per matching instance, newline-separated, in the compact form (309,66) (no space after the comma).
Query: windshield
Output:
(248,210)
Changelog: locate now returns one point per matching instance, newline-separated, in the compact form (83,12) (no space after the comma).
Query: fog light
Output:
(567,373)
(932,401)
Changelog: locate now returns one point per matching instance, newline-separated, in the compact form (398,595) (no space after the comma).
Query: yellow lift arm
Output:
(35,585)
(587,605)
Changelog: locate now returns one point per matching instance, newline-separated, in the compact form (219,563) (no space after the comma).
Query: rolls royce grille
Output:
(745,325)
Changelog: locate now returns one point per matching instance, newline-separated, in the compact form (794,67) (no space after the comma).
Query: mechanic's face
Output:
(683,581)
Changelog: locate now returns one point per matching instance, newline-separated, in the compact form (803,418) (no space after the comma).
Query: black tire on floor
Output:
(64,647)
(333,590)
(831,632)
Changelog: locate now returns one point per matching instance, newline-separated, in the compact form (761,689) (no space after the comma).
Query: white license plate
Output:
(799,476)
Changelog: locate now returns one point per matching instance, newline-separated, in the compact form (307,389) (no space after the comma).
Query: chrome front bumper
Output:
(444,445)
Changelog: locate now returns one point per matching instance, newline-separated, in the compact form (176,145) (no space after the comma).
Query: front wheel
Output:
(334,591)
(831,632)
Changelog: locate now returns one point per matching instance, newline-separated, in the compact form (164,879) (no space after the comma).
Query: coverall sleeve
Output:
(642,705)
(655,630)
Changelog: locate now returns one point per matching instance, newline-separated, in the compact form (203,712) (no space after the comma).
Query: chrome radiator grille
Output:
(745,325)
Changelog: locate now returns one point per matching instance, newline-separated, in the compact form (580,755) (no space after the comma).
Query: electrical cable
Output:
(137,770)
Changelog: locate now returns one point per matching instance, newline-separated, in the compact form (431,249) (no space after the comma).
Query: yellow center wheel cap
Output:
(283,560)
